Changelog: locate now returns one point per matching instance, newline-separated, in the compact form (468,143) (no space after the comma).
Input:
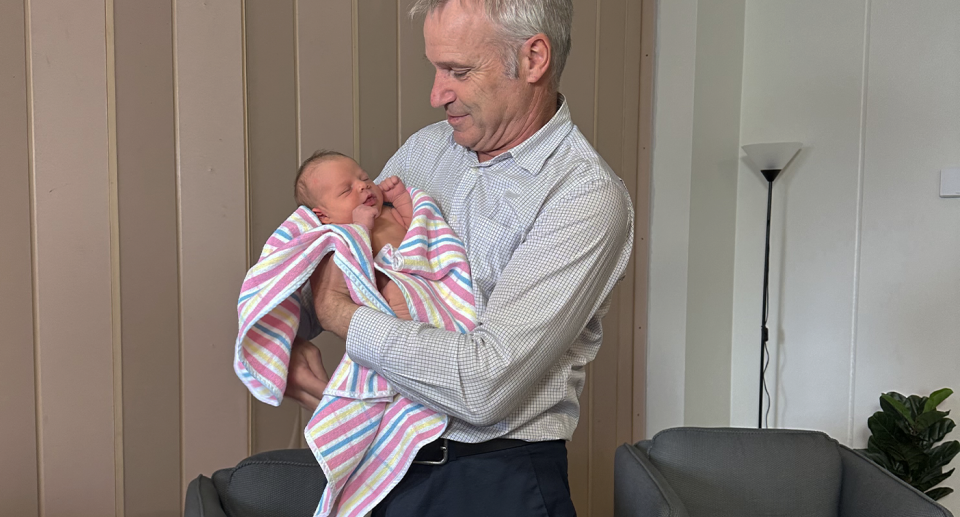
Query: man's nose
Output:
(440,94)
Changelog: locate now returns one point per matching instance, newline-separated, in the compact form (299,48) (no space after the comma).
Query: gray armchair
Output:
(270,484)
(696,472)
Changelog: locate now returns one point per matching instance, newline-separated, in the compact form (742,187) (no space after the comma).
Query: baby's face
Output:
(338,185)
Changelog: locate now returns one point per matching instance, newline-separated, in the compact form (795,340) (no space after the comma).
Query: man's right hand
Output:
(306,378)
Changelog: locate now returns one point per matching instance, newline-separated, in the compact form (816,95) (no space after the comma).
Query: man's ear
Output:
(535,58)
(321,215)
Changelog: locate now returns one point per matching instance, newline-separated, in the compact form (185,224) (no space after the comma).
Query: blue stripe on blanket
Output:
(280,337)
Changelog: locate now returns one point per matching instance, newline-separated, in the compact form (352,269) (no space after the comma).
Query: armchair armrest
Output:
(639,488)
(870,491)
(202,499)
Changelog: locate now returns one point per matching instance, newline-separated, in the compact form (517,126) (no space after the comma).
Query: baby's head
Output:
(332,185)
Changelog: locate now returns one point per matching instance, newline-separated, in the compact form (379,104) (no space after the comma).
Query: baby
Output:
(340,192)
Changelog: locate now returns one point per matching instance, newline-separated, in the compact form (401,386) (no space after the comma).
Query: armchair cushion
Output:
(735,472)
(271,484)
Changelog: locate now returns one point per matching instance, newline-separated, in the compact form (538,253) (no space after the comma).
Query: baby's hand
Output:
(364,216)
(392,188)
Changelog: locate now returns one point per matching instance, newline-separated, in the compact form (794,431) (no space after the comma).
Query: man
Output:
(548,229)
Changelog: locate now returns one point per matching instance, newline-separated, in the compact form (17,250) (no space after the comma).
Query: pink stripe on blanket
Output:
(392,445)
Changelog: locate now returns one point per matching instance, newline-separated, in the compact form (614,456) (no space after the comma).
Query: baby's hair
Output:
(299,188)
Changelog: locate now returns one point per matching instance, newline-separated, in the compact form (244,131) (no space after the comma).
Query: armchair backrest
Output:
(736,472)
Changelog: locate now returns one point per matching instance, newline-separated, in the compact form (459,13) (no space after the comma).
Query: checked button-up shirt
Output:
(548,229)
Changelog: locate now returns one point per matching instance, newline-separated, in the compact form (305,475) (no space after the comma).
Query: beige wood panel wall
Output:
(270,35)
(124,198)
(328,106)
(148,149)
(213,230)
(72,246)
(602,83)
(149,294)
(18,448)
(378,82)
(415,76)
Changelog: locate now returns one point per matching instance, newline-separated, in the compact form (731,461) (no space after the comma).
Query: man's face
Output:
(338,185)
(484,105)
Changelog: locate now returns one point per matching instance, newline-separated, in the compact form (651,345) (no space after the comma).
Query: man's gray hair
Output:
(518,21)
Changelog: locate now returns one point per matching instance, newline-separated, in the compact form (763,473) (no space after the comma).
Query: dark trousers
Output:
(530,480)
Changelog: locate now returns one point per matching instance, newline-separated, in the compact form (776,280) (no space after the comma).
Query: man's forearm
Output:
(535,313)
(335,315)
(331,298)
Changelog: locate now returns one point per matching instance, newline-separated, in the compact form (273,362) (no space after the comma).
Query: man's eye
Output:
(459,74)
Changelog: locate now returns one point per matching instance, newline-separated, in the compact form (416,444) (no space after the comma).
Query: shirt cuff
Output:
(368,333)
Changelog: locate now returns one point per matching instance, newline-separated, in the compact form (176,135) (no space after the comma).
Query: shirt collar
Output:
(534,151)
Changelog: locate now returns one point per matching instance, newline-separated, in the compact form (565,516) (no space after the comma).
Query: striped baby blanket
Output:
(364,434)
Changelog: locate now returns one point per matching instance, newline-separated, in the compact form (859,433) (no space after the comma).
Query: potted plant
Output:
(904,436)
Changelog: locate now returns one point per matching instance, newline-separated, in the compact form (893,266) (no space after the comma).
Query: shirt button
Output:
(452,218)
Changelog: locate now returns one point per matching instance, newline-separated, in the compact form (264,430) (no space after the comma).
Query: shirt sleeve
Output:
(554,283)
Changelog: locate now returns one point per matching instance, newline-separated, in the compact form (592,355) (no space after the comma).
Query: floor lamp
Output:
(770,159)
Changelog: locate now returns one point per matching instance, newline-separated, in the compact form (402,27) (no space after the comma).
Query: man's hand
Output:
(331,298)
(306,378)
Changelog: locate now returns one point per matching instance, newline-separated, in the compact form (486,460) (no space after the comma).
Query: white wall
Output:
(670,213)
(865,276)
(713,211)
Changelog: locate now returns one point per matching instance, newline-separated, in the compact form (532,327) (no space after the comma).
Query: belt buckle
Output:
(445,447)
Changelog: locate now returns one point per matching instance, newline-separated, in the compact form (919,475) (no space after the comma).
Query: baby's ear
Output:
(322,216)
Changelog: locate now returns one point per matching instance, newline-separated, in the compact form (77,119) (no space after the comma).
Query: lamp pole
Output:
(770,158)
(770,175)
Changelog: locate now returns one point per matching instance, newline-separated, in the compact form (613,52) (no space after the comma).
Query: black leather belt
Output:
(440,451)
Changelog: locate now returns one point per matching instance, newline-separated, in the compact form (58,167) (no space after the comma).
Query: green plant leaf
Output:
(942,454)
(927,419)
(900,407)
(937,431)
(886,433)
(898,396)
(936,398)
(914,456)
(916,404)
(928,483)
(872,446)
(938,493)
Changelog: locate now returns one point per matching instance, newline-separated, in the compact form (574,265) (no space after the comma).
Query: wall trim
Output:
(641,241)
(114,214)
(32,182)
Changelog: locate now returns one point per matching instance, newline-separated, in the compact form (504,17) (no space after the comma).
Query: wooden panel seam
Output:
(355,24)
(179,214)
(114,213)
(31,167)
(591,369)
(246,181)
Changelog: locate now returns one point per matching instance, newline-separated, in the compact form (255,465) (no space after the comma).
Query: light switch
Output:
(950,182)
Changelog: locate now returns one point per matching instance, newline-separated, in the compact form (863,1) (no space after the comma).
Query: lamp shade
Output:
(772,157)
